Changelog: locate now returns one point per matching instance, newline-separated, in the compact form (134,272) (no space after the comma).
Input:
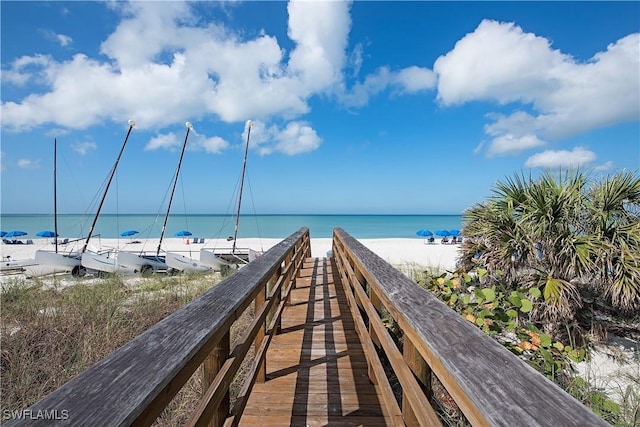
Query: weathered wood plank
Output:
(490,384)
(316,369)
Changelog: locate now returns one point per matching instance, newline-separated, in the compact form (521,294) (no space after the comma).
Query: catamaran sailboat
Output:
(105,261)
(217,258)
(146,262)
(48,262)
(233,256)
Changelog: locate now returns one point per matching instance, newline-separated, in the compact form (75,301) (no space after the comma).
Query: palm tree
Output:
(561,235)
(613,217)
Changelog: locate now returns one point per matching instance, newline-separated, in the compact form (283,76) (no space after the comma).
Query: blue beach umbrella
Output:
(443,233)
(424,233)
(183,233)
(46,233)
(3,233)
(128,233)
(15,233)
(454,232)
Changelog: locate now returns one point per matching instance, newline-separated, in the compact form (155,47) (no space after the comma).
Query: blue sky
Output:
(362,107)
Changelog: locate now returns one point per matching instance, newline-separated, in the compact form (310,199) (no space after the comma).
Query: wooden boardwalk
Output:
(316,367)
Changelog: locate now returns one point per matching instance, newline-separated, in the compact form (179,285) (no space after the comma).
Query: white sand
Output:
(397,252)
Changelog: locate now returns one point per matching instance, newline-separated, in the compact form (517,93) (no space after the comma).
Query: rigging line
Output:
(117,210)
(227,217)
(184,207)
(113,170)
(175,182)
(255,214)
(55,192)
(244,167)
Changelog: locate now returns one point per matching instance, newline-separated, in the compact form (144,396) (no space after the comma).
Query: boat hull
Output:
(208,257)
(16,265)
(228,257)
(58,259)
(39,270)
(107,263)
(50,262)
(143,263)
(184,263)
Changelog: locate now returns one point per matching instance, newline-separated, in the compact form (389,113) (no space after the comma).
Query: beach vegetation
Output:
(53,331)
(508,317)
(573,237)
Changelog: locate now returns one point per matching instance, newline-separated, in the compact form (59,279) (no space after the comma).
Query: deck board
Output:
(316,367)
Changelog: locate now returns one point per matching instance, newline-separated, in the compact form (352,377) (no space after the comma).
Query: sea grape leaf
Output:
(526,305)
(489,294)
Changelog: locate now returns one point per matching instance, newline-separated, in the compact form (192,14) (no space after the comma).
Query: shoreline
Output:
(396,251)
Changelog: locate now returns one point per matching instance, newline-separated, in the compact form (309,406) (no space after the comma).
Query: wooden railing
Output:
(134,384)
(490,385)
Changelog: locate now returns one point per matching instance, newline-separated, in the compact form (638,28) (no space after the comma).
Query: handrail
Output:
(134,384)
(489,384)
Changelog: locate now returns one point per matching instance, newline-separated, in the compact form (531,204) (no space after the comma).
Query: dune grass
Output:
(50,333)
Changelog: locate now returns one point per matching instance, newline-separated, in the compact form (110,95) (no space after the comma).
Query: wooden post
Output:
(276,297)
(422,372)
(261,376)
(377,304)
(210,368)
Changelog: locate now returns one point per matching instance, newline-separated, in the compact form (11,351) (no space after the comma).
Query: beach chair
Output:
(29,242)
(65,241)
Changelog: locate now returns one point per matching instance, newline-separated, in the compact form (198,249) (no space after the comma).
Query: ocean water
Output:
(217,226)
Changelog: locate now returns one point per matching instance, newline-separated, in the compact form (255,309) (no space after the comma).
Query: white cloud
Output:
(197,142)
(356,59)
(28,164)
(160,62)
(510,144)
(214,144)
(604,167)
(295,138)
(26,69)
(83,148)
(415,79)
(500,62)
(64,40)
(575,158)
(61,39)
(407,80)
(168,141)
(161,58)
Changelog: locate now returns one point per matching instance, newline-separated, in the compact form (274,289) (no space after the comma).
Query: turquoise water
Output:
(212,226)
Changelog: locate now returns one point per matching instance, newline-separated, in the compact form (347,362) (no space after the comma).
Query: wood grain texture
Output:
(316,368)
(491,385)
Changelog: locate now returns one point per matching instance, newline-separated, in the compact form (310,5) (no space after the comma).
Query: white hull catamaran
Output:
(146,262)
(234,256)
(48,262)
(106,261)
(218,258)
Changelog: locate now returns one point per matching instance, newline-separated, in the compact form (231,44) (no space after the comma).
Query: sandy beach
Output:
(396,251)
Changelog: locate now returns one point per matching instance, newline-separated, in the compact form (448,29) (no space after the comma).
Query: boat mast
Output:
(244,167)
(55,194)
(175,181)
(104,195)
